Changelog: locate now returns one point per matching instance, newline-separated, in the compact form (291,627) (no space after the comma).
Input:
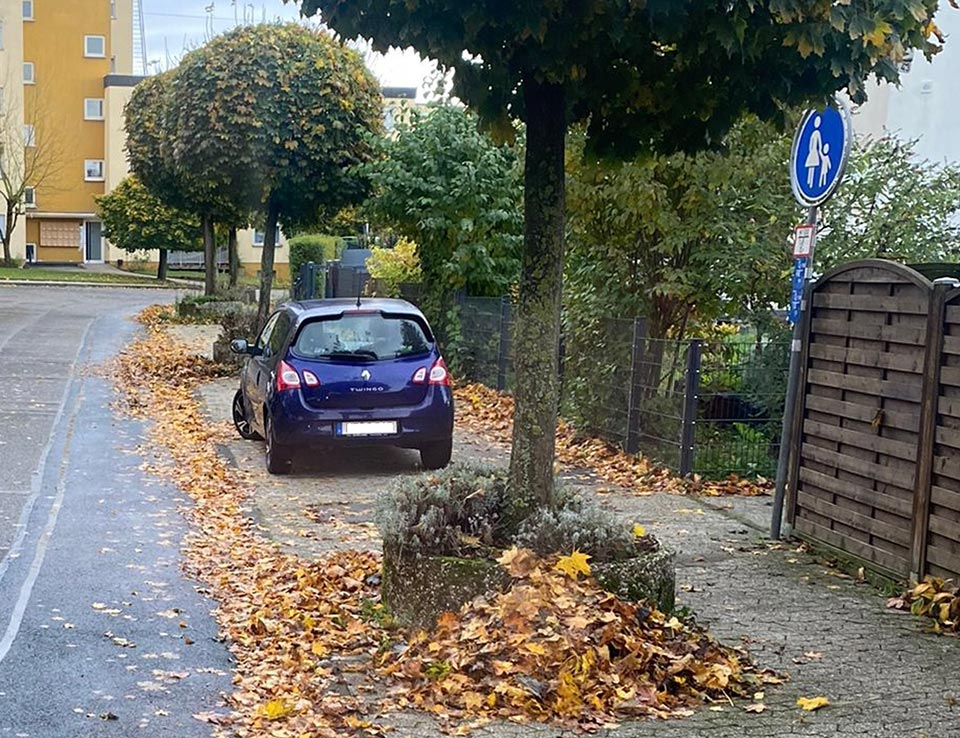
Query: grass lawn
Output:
(58,275)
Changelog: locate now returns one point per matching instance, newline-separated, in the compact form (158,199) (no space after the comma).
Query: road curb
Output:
(123,285)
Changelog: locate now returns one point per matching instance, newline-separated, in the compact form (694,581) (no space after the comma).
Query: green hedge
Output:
(312,247)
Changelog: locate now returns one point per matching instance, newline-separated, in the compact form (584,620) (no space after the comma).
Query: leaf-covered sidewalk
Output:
(880,673)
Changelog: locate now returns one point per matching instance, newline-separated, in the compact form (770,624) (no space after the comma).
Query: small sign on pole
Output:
(796,289)
(803,241)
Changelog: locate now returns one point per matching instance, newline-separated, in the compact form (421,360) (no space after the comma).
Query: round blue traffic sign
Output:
(820,149)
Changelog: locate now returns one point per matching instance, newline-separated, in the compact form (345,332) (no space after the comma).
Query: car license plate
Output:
(368,428)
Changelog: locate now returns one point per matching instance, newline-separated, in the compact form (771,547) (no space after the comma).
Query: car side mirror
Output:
(240,346)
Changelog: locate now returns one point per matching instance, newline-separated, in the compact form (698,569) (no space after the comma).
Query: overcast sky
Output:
(174,25)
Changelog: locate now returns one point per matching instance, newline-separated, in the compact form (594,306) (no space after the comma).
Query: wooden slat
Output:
(902,477)
(888,446)
(952,314)
(948,437)
(949,406)
(946,563)
(842,487)
(892,333)
(946,528)
(864,413)
(951,345)
(945,498)
(948,466)
(869,303)
(950,375)
(867,385)
(869,554)
(910,361)
(874,527)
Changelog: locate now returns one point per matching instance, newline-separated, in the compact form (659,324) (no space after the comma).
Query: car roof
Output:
(305,309)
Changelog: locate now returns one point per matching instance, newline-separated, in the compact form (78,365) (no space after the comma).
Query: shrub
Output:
(240,323)
(395,266)
(312,247)
(464,509)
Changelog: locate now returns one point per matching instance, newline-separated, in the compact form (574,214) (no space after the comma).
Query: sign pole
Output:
(790,400)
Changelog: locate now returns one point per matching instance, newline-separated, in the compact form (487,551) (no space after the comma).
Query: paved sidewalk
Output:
(883,674)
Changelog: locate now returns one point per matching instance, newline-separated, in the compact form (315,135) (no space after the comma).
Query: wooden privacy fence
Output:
(876,465)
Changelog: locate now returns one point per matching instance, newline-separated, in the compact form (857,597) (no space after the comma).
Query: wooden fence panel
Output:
(942,539)
(859,420)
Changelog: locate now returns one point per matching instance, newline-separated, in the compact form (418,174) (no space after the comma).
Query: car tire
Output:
(240,421)
(436,455)
(278,457)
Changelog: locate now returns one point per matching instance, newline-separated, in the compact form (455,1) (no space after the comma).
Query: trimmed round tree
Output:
(643,76)
(134,219)
(276,117)
(150,141)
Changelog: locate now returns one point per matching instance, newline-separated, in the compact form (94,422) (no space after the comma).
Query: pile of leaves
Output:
(489,414)
(556,646)
(934,598)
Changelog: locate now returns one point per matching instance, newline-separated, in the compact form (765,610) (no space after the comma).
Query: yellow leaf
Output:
(812,703)
(275,709)
(318,649)
(473,700)
(574,564)
(535,648)
(879,33)
(639,531)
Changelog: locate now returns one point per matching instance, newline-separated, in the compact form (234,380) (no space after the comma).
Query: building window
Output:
(29,75)
(28,10)
(29,197)
(93,108)
(95,46)
(93,170)
(113,9)
(29,135)
(258,237)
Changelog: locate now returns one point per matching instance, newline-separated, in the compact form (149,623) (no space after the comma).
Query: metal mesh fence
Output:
(708,407)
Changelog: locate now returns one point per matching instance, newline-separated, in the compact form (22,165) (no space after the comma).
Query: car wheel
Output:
(436,455)
(278,458)
(240,421)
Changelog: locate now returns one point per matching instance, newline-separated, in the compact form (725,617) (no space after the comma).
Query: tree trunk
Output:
(209,256)
(162,265)
(537,335)
(266,261)
(233,256)
(7,232)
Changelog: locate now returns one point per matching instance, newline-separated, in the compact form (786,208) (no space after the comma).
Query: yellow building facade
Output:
(67,67)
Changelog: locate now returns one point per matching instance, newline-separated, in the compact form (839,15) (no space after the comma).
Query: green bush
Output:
(312,247)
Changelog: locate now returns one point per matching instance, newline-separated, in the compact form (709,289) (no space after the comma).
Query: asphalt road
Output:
(100,633)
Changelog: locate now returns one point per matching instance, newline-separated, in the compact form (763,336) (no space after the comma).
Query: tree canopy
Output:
(277,116)
(447,186)
(134,219)
(647,75)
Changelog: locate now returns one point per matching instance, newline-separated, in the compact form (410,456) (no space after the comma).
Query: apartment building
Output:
(67,72)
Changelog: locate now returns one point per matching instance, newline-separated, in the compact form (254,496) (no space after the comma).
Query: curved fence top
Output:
(895,269)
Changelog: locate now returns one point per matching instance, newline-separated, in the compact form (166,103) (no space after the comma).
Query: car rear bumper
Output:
(297,424)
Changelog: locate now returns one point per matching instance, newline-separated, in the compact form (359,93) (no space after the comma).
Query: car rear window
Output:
(364,336)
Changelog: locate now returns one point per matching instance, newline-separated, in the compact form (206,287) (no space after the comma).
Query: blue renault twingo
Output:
(334,373)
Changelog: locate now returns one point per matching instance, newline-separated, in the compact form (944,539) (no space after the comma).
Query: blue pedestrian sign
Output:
(796,289)
(820,149)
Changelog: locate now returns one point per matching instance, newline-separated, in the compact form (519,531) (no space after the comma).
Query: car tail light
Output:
(287,377)
(420,376)
(439,373)
(310,379)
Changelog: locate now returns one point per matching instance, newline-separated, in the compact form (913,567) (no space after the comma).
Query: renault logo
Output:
(364,375)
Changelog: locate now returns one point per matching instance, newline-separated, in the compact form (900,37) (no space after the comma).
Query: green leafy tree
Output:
(447,186)
(150,139)
(134,219)
(891,205)
(643,76)
(276,117)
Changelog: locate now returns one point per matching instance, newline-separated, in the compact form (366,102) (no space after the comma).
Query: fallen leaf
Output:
(812,703)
